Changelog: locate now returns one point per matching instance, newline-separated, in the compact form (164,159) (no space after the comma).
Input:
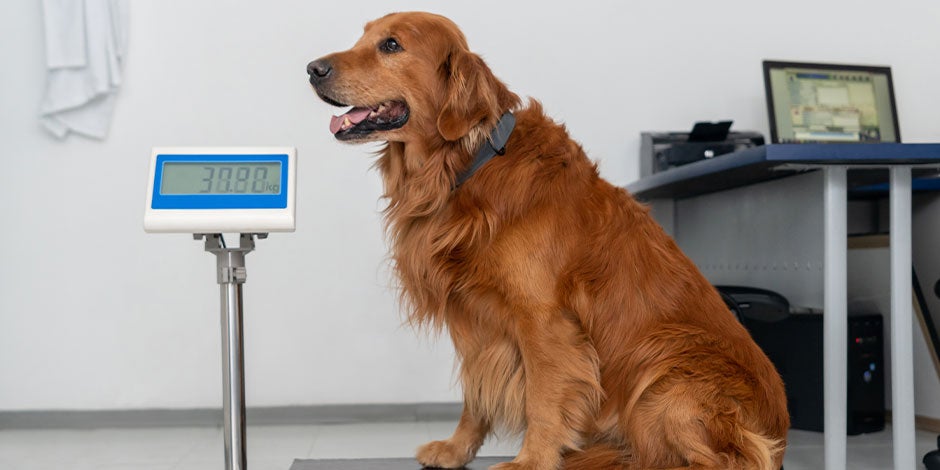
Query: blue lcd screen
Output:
(220,182)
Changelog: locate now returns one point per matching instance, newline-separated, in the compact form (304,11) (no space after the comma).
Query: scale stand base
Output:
(231,274)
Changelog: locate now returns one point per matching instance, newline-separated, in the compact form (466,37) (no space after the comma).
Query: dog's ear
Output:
(472,95)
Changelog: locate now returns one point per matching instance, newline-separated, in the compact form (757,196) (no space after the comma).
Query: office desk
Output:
(772,162)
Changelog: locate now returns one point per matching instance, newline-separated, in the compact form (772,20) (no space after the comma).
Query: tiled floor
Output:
(275,447)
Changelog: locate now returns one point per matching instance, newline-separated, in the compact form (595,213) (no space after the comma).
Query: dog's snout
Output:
(319,69)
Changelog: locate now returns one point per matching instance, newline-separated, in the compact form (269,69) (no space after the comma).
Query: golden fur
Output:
(575,318)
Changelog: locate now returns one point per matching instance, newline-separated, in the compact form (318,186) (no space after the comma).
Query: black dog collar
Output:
(495,145)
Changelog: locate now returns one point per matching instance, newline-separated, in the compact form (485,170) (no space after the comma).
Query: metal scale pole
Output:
(231,275)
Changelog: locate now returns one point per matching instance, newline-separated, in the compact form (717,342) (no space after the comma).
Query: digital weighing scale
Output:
(208,191)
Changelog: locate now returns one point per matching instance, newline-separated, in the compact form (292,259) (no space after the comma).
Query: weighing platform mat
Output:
(479,463)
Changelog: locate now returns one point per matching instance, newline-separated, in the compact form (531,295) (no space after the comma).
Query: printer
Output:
(663,150)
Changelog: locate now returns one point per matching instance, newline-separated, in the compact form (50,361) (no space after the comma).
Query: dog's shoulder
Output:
(545,145)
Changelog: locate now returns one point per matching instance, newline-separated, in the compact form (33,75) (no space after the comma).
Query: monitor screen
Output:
(823,103)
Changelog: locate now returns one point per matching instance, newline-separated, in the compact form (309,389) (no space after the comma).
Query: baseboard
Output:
(923,423)
(266,416)
(196,417)
(861,242)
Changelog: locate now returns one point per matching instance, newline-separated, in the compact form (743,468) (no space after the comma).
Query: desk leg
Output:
(835,319)
(902,354)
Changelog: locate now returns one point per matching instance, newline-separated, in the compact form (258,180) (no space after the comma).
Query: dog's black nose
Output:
(319,69)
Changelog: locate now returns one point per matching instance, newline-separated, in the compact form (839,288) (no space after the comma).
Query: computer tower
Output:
(795,346)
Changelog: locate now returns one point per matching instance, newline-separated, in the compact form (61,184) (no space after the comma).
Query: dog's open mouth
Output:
(361,121)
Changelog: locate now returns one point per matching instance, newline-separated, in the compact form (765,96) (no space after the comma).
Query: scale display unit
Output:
(208,191)
(221,190)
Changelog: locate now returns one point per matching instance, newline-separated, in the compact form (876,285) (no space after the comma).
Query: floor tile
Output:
(45,446)
(797,438)
(205,450)
(275,447)
(496,445)
(147,446)
(134,466)
(369,440)
(276,442)
(253,464)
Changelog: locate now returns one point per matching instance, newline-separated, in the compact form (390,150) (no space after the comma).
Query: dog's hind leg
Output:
(681,421)
(702,442)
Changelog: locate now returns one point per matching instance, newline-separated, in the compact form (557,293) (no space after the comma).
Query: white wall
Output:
(95,314)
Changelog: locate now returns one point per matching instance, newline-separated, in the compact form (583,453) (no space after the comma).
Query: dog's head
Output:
(410,76)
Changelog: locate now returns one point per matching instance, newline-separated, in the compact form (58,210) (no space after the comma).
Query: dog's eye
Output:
(390,45)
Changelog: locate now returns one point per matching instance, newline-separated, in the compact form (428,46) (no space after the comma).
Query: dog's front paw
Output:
(443,454)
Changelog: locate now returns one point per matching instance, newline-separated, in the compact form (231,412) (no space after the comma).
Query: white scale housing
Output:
(221,190)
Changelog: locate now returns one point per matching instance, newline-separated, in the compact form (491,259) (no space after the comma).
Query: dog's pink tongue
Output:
(355,115)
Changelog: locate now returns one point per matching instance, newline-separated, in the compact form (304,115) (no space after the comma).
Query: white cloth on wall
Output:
(85,46)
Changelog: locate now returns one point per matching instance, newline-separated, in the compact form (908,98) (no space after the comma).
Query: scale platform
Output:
(384,464)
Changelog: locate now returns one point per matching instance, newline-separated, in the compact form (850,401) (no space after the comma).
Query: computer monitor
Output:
(826,103)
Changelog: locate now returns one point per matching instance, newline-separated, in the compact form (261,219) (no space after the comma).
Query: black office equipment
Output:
(663,150)
(794,343)
(795,346)
(756,304)
(826,103)
(932,459)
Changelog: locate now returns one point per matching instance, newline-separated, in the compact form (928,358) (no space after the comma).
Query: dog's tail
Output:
(596,457)
(694,404)
(757,451)
(749,451)
(752,451)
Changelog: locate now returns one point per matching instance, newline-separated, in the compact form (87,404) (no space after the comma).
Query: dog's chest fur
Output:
(454,268)
(472,264)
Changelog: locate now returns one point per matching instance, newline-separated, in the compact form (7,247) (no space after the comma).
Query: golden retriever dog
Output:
(576,320)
